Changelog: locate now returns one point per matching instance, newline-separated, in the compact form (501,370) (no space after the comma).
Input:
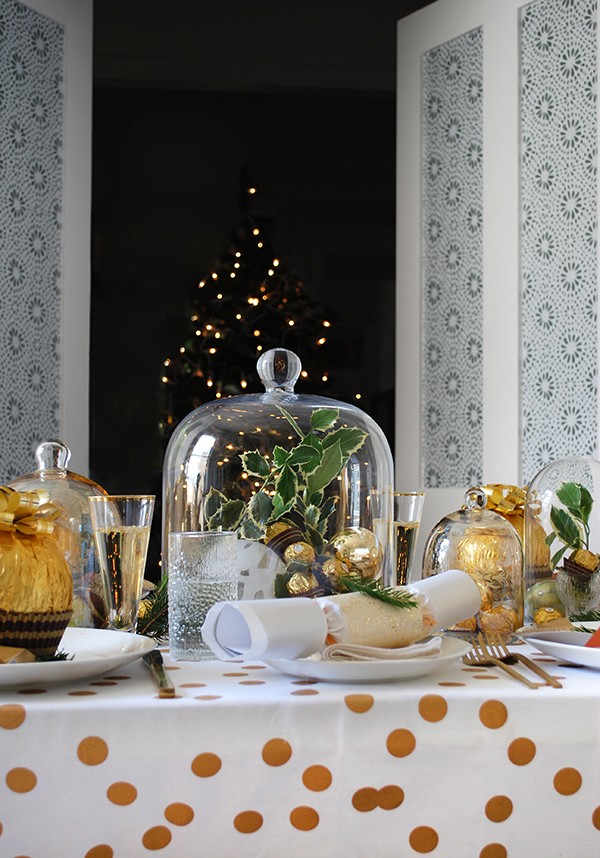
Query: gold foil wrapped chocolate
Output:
(359,549)
(499,620)
(301,584)
(300,552)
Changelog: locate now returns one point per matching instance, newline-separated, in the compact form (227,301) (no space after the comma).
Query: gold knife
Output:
(154,660)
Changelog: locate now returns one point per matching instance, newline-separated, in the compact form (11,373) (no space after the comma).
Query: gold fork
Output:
(480,655)
(499,649)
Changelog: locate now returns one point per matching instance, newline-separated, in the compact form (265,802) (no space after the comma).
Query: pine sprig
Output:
(154,619)
(374,588)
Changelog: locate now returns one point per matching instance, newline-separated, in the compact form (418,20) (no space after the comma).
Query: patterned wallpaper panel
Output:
(559,231)
(31,130)
(452,166)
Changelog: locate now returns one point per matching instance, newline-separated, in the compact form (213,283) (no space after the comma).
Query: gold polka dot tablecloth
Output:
(245,761)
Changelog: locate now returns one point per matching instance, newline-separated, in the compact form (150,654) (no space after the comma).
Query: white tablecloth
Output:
(246,761)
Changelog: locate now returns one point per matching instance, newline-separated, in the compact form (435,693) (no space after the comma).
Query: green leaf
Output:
(556,558)
(260,508)
(248,529)
(326,511)
(280,456)
(314,537)
(314,441)
(292,422)
(569,494)
(280,507)
(587,502)
(323,419)
(255,464)
(306,456)
(213,502)
(328,470)
(311,516)
(286,485)
(232,513)
(350,439)
(565,527)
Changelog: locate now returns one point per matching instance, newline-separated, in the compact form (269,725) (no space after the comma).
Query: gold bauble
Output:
(359,549)
(500,620)
(300,552)
(543,594)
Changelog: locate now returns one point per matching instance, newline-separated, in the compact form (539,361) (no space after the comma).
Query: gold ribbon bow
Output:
(505,499)
(27,512)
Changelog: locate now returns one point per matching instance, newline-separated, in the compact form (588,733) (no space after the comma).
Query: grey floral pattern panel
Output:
(452,262)
(559,224)
(31,132)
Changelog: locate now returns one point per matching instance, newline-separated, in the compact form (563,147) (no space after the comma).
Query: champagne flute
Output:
(408,507)
(121,526)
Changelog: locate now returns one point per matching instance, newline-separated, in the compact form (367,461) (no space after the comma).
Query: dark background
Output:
(186,94)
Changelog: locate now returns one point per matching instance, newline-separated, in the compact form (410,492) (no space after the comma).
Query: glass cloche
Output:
(306,482)
(73,528)
(562,541)
(487,547)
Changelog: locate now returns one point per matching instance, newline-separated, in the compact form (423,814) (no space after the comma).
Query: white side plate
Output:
(372,671)
(94,651)
(567,646)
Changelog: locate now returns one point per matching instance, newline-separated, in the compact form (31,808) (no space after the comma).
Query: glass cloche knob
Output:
(52,455)
(279,369)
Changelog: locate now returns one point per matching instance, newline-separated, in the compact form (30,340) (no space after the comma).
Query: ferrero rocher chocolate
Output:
(335,569)
(469,625)
(281,535)
(301,583)
(501,620)
(482,553)
(546,615)
(301,552)
(543,594)
(359,549)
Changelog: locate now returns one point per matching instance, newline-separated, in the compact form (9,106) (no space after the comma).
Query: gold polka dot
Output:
(521,751)
(365,799)
(121,793)
(235,674)
(254,666)
(81,693)
(595,819)
(304,692)
(21,780)
(304,818)
(193,685)
(276,752)
(102,850)
(157,837)
(432,707)
(390,797)
(486,676)
(567,781)
(316,778)
(33,690)
(493,850)
(92,750)
(423,839)
(359,702)
(179,813)
(12,715)
(102,682)
(493,714)
(252,682)
(401,743)
(207,697)
(451,684)
(248,821)
(498,808)
(206,765)
(305,681)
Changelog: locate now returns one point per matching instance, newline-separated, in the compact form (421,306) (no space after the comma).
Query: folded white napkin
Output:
(356,652)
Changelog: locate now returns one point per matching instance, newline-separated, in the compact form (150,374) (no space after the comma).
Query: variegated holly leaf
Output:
(328,470)
(255,464)
(280,456)
(228,516)
(327,509)
(292,422)
(286,485)
(314,441)
(350,439)
(260,508)
(213,501)
(306,457)
(312,514)
(280,507)
(250,530)
(323,419)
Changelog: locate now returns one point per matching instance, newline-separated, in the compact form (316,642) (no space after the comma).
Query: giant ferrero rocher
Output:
(359,549)
(36,586)
(486,546)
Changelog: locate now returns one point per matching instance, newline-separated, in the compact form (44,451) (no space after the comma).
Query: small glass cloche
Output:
(306,482)
(562,541)
(487,547)
(73,528)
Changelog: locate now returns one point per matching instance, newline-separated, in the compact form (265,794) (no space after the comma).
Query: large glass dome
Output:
(305,481)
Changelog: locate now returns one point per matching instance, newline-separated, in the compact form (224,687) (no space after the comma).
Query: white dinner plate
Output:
(94,651)
(378,670)
(566,646)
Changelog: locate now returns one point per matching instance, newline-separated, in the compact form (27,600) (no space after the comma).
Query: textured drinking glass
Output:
(203,569)
(121,525)
(408,507)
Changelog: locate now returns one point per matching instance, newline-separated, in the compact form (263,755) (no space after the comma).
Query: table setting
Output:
(297,678)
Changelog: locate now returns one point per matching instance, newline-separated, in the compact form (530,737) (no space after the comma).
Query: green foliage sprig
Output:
(570,525)
(155,620)
(293,481)
(390,595)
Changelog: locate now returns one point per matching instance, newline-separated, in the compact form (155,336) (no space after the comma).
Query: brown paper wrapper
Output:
(40,633)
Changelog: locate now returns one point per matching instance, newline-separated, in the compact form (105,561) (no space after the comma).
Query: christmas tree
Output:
(247,303)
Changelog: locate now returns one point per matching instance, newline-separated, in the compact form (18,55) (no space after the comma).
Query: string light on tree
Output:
(248,302)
